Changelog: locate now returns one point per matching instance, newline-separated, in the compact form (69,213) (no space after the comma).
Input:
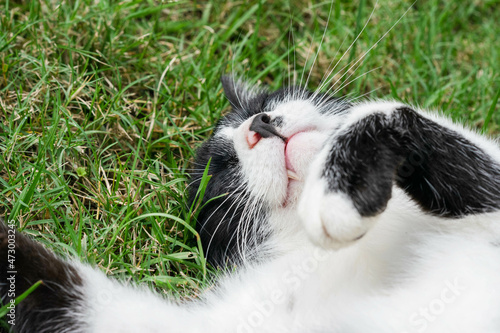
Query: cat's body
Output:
(341,218)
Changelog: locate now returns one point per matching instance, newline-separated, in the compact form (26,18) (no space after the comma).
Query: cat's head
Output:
(259,156)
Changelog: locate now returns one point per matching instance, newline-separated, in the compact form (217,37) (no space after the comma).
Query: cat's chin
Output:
(275,165)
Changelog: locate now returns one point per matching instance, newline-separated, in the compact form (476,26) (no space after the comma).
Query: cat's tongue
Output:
(300,150)
(288,164)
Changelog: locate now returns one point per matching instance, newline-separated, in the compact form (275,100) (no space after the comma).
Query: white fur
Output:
(411,272)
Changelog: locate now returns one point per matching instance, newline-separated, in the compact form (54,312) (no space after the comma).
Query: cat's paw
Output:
(330,218)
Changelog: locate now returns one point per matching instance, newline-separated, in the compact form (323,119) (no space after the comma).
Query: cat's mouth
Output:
(278,156)
(254,137)
(299,148)
(290,171)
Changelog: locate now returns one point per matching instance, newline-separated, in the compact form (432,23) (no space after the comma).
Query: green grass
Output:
(103,102)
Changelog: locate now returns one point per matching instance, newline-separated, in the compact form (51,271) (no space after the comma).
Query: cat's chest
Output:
(376,260)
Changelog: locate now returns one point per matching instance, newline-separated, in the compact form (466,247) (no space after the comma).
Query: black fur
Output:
(246,104)
(443,172)
(46,307)
(220,215)
(219,218)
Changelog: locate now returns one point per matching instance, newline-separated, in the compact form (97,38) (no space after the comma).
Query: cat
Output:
(339,216)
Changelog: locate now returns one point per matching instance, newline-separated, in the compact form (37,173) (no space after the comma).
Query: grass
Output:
(102,104)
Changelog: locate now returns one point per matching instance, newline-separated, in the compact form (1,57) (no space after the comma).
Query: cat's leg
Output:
(77,298)
(23,263)
(447,170)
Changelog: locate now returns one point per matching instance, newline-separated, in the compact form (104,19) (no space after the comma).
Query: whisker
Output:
(358,77)
(361,96)
(307,60)
(320,44)
(222,219)
(374,45)
(349,48)
(325,76)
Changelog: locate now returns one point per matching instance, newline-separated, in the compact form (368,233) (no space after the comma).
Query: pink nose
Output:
(253,138)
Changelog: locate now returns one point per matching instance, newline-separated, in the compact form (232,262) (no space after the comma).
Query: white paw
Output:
(330,219)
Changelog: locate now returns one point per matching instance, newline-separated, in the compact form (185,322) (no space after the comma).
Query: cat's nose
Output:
(261,128)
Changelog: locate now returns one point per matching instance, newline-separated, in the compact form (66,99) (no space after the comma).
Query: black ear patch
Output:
(237,92)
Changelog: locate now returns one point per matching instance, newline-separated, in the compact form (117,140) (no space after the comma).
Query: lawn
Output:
(102,104)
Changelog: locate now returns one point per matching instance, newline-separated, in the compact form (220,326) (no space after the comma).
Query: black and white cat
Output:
(370,217)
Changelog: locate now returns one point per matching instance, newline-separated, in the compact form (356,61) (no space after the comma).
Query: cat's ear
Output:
(238,93)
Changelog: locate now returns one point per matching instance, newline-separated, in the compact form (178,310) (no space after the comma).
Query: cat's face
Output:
(259,156)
